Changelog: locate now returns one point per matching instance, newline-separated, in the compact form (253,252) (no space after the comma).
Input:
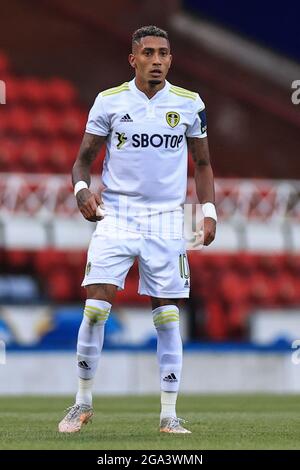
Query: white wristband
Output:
(209,210)
(79,186)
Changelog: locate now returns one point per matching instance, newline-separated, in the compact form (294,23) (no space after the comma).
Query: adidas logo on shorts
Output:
(170,378)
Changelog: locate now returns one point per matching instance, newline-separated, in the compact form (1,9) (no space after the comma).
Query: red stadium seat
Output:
(72,151)
(47,260)
(220,261)
(8,156)
(76,263)
(59,286)
(216,327)
(237,315)
(270,265)
(202,276)
(129,295)
(72,123)
(19,122)
(57,158)
(5,160)
(244,263)
(45,123)
(33,92)
(292,264)
(13,90)
(60,93)
(32,156)
(233,288)
(286,290)
(261,290)
(18,260)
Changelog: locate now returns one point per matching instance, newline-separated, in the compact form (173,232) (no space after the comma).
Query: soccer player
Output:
(147,124)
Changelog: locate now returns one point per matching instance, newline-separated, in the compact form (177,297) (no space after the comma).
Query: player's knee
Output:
(158,302)
(101,292)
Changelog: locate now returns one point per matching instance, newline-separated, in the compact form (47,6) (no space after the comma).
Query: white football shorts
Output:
(163,264)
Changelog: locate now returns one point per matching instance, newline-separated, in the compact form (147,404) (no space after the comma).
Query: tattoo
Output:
(199,150)
(82,197)
(89,148)
(88,152)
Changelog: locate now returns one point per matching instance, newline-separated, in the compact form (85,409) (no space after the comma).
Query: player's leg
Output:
(108,263)
(164,276)
(89,347)
(169,354)
(91,336)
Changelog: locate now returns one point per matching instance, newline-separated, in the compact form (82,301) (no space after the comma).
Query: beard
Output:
(154,82)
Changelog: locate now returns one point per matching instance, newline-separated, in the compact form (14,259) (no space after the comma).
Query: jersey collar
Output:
(142,95)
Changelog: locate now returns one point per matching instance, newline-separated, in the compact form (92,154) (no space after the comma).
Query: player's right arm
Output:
(86,200)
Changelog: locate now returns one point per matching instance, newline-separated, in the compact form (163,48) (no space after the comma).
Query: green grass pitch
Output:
(131,422)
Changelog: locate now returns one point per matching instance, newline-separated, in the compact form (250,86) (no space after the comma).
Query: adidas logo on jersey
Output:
(126,118)
(170,378)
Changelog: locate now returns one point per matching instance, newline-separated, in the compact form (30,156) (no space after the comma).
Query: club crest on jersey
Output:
(172,118)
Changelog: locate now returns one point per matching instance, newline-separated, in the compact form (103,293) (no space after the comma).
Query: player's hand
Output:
(209,230)
(87,203)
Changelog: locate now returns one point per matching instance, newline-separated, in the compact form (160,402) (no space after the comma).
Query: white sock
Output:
(169,354)
(84,394)
(89,345)
(168,404)
(169,346)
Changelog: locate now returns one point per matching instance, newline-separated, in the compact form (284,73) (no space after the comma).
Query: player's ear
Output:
(131,60)
(171,57)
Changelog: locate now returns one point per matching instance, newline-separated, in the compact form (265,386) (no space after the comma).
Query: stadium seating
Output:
(41,125)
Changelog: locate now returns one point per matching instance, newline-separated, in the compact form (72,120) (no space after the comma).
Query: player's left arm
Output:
(204,180)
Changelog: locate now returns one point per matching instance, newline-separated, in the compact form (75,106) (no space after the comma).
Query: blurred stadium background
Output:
(243,314)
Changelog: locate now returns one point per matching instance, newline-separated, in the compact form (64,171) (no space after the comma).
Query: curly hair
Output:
(148,31)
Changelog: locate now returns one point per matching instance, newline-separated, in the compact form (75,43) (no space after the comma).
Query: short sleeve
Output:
(198,127)
(98,122)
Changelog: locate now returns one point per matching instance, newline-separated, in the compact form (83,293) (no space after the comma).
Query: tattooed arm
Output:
(204,181)
(86,200)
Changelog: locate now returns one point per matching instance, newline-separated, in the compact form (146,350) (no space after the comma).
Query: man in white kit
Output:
(147,125)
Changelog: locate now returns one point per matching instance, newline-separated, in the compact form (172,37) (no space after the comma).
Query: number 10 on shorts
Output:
(184,266)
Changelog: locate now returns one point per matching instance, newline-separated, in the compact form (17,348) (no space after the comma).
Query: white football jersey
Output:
(145,167)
